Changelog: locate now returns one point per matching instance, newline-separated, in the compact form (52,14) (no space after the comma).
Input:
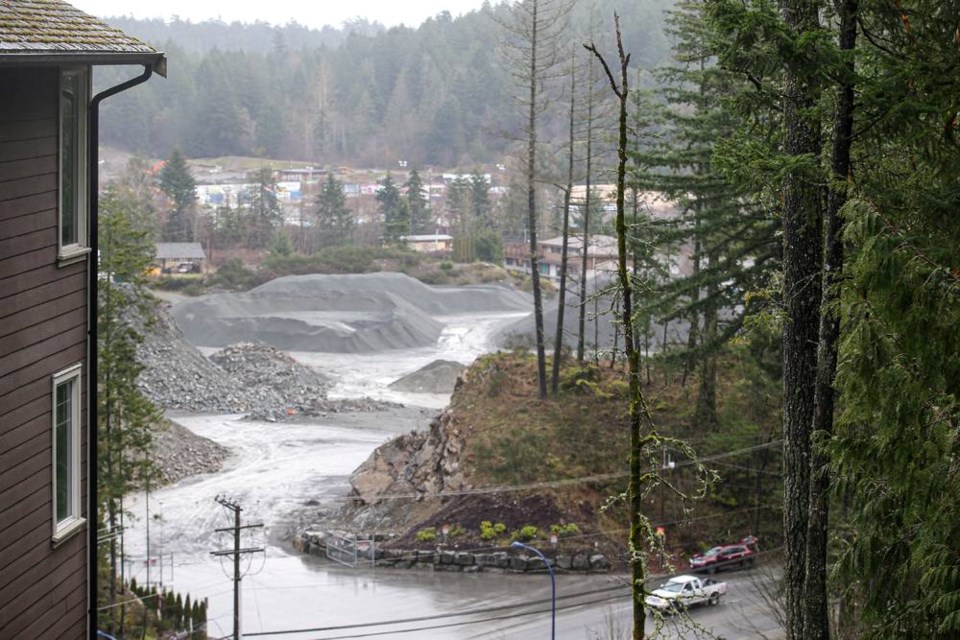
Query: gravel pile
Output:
(177,377)
(251,378)
(274,385)
(356,313)
(180,453)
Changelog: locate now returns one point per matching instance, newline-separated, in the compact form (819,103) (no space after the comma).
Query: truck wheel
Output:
(714,599)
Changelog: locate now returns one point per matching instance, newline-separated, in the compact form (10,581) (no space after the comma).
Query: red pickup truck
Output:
(729,556)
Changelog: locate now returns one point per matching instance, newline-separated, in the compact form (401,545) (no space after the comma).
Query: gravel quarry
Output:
(357,313)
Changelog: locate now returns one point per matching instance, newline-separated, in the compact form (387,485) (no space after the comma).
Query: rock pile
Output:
(177,377)
(180,453)
(275,386)
(251,378)
(440,376)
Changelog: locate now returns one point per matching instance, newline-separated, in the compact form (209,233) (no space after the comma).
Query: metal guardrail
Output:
(350,550)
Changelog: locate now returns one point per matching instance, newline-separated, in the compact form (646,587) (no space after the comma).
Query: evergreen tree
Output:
(458,205)
(186,621)
(335,221)
(895,454)
(177,182)
(263,211)
(281,244)
(732,235)
(392,211)
(125,417)
(480,202)
(418,211)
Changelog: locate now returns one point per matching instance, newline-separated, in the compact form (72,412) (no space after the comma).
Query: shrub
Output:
(582,380)
(565,530)
(489,531)
(489,246)
(234,275)
(428,534)
(446,265)
(526,533)
(194,289)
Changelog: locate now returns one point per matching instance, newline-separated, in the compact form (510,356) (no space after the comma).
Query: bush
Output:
(490,531)
(526,533)
(428,534)
(446,265)
(234,275)
(582,380)
(565,530)
(489,246)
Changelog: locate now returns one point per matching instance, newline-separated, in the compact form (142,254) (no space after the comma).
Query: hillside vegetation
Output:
(439,94)
(524,468)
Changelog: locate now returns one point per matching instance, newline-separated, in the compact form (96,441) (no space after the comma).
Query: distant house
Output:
(171,255)
(601,254)
(433,243)
(48,162)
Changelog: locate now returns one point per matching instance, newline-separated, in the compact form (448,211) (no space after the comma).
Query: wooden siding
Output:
(43,325)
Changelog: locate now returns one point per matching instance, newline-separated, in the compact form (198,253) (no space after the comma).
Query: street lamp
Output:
(516,544)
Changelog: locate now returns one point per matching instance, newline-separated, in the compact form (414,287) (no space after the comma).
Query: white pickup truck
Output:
(681,592)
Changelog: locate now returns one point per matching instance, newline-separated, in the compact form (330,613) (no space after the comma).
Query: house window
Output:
(73,163)
(66,453)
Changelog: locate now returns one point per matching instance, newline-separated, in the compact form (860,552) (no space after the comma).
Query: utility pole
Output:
(236,552)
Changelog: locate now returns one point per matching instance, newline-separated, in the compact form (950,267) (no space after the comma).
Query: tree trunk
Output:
(816,622)
(532,206)
(706,416)
(638,409)
(584,250)
(694,335)
(561,302)
(802,249)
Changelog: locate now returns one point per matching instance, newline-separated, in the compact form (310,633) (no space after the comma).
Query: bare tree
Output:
(646,443)
(533,48)
(567,192)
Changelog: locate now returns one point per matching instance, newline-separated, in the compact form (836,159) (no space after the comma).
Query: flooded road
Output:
(281,469)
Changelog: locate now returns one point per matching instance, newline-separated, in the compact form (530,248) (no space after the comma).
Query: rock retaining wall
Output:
(453,560)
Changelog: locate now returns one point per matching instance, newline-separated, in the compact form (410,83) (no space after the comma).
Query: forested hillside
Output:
(438,94)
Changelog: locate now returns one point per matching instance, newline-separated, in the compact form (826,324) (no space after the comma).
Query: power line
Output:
(446,616)
(236,552)
(550,484)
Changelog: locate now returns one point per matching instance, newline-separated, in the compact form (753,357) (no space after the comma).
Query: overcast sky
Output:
(313,13)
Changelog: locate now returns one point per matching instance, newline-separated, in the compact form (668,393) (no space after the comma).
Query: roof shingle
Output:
(55,27)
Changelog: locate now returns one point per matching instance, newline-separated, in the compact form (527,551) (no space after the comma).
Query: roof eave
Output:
(156,60)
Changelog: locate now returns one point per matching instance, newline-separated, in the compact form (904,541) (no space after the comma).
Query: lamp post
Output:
(553,585)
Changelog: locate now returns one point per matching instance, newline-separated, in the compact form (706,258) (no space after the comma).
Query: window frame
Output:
(73,521)
(70,252)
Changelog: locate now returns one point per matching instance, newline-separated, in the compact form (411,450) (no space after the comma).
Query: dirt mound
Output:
(440,376)
(357,313)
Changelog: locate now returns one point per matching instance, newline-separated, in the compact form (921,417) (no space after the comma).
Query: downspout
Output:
(93,269)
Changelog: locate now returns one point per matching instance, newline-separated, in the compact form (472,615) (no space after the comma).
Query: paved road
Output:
(439,606)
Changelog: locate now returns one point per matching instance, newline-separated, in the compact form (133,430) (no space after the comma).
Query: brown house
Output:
(48,162)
